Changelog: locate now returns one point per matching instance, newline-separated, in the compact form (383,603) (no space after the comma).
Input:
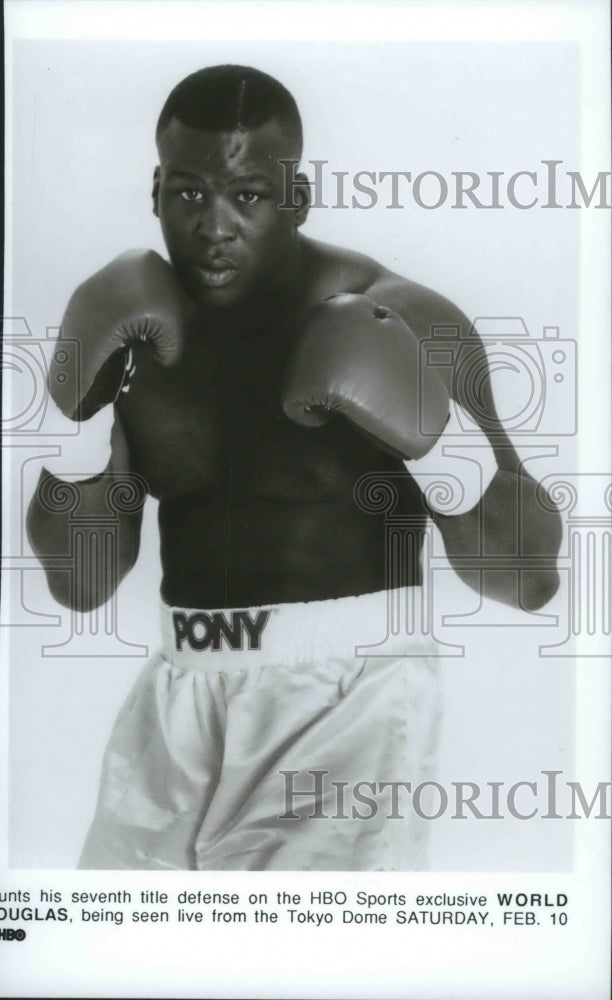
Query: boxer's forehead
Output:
(243,151)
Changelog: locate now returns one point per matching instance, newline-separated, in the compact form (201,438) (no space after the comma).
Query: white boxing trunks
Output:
(258,739)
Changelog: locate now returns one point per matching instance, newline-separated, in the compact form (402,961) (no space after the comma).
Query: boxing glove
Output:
(134,299)
(361,360)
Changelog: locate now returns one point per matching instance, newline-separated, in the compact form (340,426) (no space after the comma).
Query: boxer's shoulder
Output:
(335,269)
(328,269)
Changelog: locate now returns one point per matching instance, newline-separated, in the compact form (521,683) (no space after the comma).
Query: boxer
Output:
(256,375)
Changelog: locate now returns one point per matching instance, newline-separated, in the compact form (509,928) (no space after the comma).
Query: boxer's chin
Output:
(214,288)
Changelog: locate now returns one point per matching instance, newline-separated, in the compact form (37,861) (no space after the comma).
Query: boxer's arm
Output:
(86,532)
(506,545)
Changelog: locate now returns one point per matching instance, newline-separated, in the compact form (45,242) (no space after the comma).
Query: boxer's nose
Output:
(214,222)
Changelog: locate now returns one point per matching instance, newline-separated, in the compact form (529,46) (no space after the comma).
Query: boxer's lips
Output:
(216,273)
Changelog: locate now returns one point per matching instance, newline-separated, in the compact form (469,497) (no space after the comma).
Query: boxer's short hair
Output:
(224,98)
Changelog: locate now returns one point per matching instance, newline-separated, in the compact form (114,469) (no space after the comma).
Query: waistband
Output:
(385,623)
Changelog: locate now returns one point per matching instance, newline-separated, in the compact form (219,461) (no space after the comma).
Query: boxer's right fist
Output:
(134,299)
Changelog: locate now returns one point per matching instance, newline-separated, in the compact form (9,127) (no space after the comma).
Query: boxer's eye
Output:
(190,194)
(248,197)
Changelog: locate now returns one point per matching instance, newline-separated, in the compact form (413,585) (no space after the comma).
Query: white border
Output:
(307,965)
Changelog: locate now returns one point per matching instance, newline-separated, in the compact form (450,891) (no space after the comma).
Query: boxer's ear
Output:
(155,192)
(301,198)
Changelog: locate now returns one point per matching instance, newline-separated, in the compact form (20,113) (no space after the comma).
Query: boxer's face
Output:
(218,198)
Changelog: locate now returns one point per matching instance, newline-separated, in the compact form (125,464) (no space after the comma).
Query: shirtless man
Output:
(255,379)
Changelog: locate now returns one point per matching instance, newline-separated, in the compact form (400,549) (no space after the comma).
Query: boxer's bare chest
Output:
(217,416)
(254,508)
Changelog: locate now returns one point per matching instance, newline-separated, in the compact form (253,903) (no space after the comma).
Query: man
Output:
(256,379)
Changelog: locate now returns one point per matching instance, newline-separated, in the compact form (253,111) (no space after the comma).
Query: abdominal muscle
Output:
(234,550)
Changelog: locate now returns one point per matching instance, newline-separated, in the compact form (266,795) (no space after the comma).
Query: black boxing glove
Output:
(361,360)
(134,299)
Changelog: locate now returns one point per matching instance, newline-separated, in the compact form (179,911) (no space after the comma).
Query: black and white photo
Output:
(306,562)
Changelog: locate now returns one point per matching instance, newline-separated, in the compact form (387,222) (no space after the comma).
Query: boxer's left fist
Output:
(361,360)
